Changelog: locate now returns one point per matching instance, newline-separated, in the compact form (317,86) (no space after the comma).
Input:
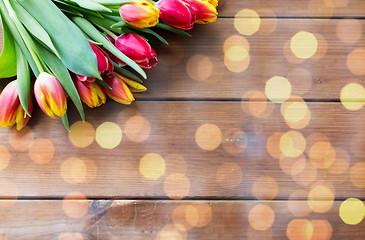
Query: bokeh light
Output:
(187,216)
(236,41)
(234,141)
(352,211)
(152,166)
(307,176)
(299,229)
(322,154)
(357,144)
(42,151)
(349,30)
(319,8)
(75,205)
(296,205)
(177,186)
(341,163)
(278,89)
(320,198)
(70,236)
(322,229)
(301,80)
(73,170)
(253,234)
(304,44)
(261,217)
(292,144)
(265,188)
(247,22)
(268,26)
(257,104)
(208,136)
(108,135)
(322,46)
(4,157)
(199,67)
(171,232)
(273,145)
(21,140)
(293,166)
(353,96)
(355,61)
(296,113)
(81,134)
(357,175)
(137,128)
(237,59)
(229,175)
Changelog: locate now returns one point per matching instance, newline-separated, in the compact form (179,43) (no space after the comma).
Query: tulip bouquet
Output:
(84,50)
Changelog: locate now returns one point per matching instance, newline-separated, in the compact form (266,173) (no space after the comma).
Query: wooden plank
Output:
(205,150)
(196,68)
(296,8)
(172,220)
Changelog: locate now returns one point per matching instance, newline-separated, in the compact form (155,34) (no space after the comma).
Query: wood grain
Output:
(218,166)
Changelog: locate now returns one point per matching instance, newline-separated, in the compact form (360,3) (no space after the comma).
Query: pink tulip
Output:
(177,13)
(138,49)
(50,95)
(120,91)
(90,93)
(105,65)
(11,111)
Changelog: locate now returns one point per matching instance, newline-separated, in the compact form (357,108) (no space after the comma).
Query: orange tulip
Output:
(139,14)
(120,91)
(90,93)
(206,11)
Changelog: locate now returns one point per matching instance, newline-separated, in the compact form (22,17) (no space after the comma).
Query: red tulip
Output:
(177,13)
(105,65)
(90,93)
(120,91)
(139,13)
(11,111)
(206,11)
(138,49)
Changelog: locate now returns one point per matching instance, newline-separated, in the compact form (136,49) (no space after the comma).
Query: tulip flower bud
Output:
(138,49)
(90,93)
(105,65)
(50,95)
(11,111)
(139,14)
(177,13)
(206,11)
(120,91)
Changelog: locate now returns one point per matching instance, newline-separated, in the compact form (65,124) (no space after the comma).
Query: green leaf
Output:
(33,26)
(118,24)
(172,29)
(126,73)
(23,79)
(62,74)
(104,84)
(106,23)
(8,54)
(71,44)
(69,6)
(90,5)
(68,9)
(149,31)
(89,29)
(112,2)
(65,122)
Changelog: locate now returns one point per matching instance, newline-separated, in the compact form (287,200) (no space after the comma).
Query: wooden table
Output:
(251,129)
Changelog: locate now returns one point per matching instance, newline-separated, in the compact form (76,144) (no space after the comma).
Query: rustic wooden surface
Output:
(210,151)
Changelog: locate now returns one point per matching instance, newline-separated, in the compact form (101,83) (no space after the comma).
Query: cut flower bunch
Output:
(84,50)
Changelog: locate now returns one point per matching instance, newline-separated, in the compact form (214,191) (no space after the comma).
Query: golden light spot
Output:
(320,199)
(191,215)
(292,144)
(278,89)
(253,234)
(75,205)
(4,157)
(273,145)
(186,217)
(301,80)
(73,170)
(42,151)
(91,170)
(137,129)
(349,30)
(247,22)
(322,229)
(70,236)
(152,166)
(177,186)
(299,229)
(341,163)
(314,138)
(108,135)
(357,145)
(234,141)
(21,140)
(208,136)
(289,55)
(81,134)
(229,175)
(261,217)
(269,26)
(171,232)
(120,211)
(304,45)
(293,166)
(179,218)
(296,205)
(199,67)
(175,163)
(236,41)
(306,176)
(296,114)
(322,154)
(204,211)
(353,96)
(237,59)
(8,190)
(265,188)
(357,175)
(322,46)
(355,61)
(257,104)
(352,211)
